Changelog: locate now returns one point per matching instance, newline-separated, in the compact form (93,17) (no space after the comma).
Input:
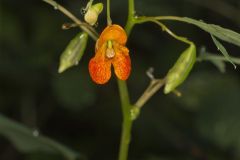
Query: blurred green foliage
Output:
(203,124)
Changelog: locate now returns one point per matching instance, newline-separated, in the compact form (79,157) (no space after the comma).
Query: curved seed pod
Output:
(73,52)
(179,72)
(92,13)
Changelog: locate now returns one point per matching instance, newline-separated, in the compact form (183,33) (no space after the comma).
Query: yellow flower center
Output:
(110,53)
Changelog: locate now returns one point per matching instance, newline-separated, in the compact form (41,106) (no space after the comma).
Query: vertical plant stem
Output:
(125,102)
(109,20)
(127,121)
(131,14)
(125,139)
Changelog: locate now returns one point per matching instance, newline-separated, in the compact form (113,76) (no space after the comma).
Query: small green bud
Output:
(73,52)
(179,72)
(92,13)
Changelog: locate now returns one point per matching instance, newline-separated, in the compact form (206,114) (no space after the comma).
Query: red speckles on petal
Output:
(112,38)
(100,70)
(100,67)
(122,64)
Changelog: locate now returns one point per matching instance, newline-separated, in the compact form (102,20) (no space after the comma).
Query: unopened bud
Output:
(181,69)
(92,13)
(73,52)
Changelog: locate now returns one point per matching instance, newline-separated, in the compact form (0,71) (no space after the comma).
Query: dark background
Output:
(204,124)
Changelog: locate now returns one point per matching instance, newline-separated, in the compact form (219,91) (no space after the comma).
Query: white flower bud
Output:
(92,13)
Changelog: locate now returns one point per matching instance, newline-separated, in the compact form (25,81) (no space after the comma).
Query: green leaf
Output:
(218,31)
(215,60)
(27,140)
(179,72)
(222,49)
(73,52)
(220,65)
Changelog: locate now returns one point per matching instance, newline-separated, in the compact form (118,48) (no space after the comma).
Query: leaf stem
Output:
(175,18)
(164,28)
(88,29)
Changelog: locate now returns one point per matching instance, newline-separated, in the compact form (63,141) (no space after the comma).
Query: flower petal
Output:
(122,63)
(113,32)
(100,67)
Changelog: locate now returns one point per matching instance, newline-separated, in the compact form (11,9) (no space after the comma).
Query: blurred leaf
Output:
(223,50)
(218,61)
(74,89)
(27,140)
(74,51)
(216,100)
(218,31)
(220,65)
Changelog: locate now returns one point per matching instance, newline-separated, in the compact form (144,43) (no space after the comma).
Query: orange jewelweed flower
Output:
(110,50)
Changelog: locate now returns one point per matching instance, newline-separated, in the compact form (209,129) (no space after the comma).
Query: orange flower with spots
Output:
(110,50)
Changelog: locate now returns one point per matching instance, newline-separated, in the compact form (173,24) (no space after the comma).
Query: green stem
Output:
(164,28)
(175,18)
(125,139)
(127,121)
(125,102)
(131,15)
(109,20)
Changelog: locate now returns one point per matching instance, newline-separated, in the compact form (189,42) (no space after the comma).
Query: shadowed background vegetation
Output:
(204,124)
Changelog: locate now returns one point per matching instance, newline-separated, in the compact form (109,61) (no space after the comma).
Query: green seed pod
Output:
(73,52)
(92,13)
(179,72)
